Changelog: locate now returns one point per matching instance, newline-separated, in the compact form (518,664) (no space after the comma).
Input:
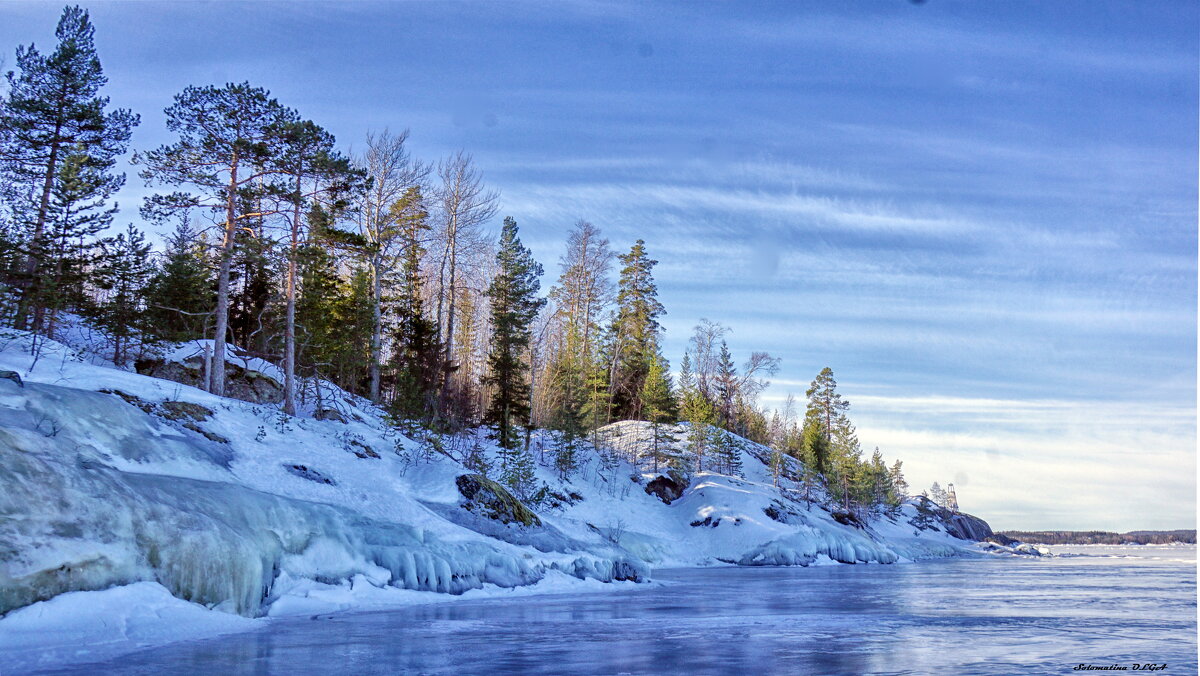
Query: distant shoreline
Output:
(1099,537)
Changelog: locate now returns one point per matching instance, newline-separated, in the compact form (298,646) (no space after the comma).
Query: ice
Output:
(94,626)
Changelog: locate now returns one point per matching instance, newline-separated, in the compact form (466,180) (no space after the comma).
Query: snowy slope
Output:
(193,503)
(228,507)
(745,520)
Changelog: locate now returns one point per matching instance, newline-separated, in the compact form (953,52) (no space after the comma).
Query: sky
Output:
(981,216)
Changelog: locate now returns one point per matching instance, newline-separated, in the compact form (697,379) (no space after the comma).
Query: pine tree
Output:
(253,289)
(634,335)
(514,301)
(181,292)
(53,111)
(937,494)
(229,138)
(899,487)
(825,405)
(123,274)
(317,174)
(581,295)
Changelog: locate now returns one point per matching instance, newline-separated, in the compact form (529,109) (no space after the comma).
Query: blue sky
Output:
(982,216)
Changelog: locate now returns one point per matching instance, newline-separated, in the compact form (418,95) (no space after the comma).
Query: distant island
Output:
(1100,537)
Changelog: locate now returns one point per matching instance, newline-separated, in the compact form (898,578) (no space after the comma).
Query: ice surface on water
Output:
(961,616)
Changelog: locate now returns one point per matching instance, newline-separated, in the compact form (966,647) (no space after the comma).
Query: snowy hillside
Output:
(119,480)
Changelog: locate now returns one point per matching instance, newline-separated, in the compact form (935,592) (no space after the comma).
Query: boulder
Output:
(664,488)
(488,498)
(329,414)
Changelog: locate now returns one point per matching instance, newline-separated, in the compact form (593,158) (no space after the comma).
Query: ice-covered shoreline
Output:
(145,498)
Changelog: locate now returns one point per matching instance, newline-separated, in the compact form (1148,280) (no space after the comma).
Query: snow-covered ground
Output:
(138,510)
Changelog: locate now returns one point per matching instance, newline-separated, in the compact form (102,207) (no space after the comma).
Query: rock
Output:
(665,489)
(847,519)
(1001,539)
(13,376)
(211,436)
(362,450)
(960,525)
(311,474)
(329,414)
(490,499)
(179,410)
(240,383)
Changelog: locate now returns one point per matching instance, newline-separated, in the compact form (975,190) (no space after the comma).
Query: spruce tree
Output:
(726,389)
(658,407)
(181,292)
(52,112)
(634,335)
(415,350)
(123,275)
(514,305)
(319,307)
(352,333)
(77,217)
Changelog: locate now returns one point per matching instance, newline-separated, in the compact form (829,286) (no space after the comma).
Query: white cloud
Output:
(1112,465)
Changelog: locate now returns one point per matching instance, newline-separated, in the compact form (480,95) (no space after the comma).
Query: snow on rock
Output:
(247,377)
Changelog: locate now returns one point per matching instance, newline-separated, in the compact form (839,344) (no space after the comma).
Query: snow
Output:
(225,510)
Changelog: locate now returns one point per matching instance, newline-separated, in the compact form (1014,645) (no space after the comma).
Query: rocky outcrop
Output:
(488,498)
(967,527)
(960,525)
(665,488)
(240,383)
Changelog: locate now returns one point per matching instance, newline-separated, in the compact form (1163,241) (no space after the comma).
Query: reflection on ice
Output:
(959,616)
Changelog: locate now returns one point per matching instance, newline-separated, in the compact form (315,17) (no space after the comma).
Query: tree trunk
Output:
(39,230)
(448,339)
(376,323)
(217,377)
(289,331)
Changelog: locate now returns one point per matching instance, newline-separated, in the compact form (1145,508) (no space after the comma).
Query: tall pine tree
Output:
(229,138)
(53,111)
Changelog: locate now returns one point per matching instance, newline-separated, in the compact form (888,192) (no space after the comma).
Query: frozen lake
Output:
(992,615)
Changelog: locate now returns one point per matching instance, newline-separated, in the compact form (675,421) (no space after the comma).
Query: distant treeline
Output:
(1100,537)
